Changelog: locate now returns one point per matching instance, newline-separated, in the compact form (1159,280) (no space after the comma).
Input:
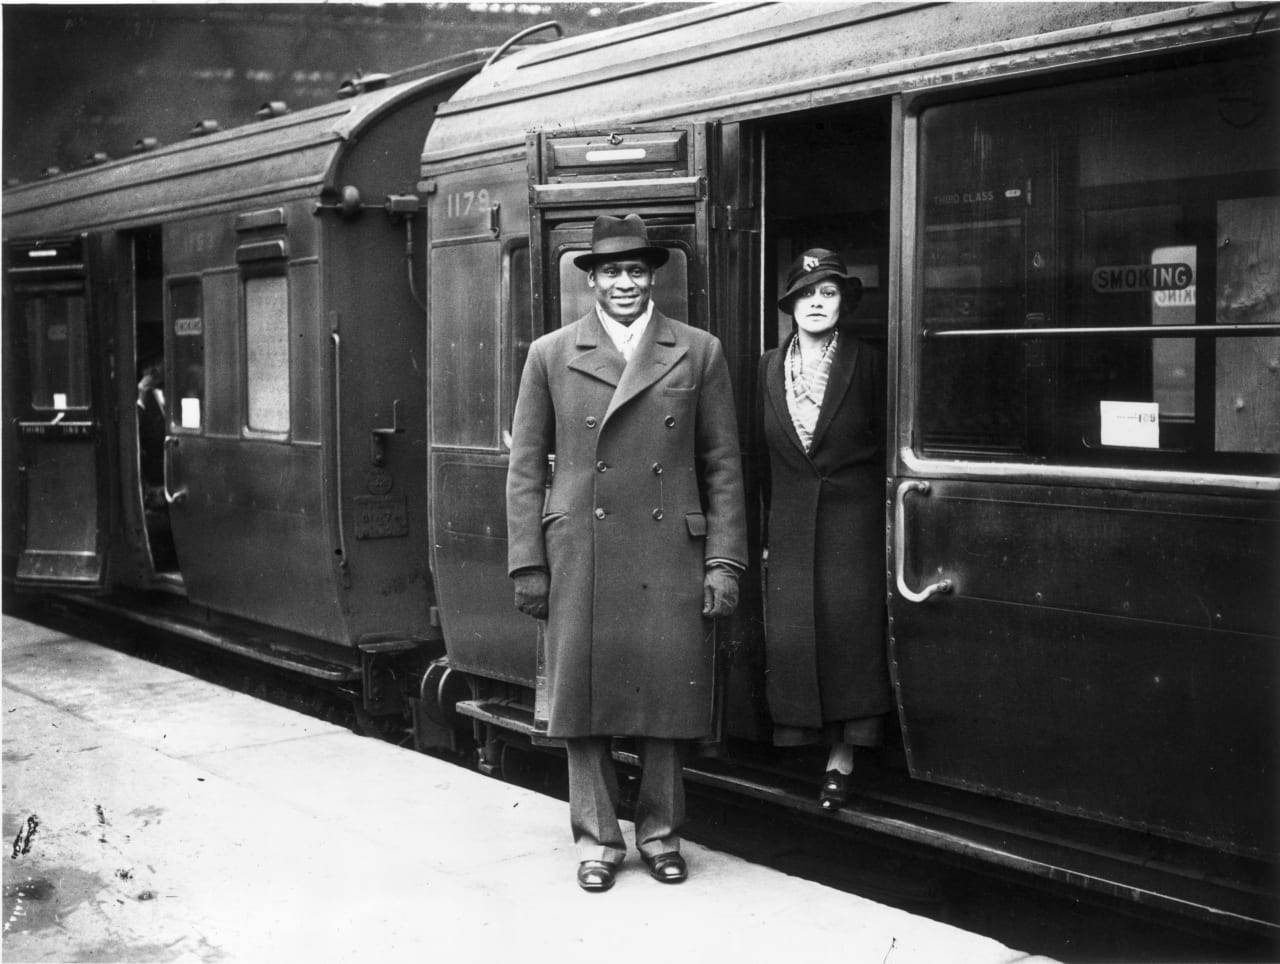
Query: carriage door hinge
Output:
(729,218)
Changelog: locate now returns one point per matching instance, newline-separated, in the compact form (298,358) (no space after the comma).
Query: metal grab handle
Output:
(336,340)
(497,54)
(900,544)
(377,439)
(172,498)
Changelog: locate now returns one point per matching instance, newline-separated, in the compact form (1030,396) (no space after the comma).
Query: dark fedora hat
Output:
(615,239)
(813,266)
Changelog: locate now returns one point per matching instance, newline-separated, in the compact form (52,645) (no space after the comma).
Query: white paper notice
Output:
(60,400)
(1131,424)
(191,412)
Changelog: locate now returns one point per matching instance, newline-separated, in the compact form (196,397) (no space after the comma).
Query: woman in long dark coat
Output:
(821,419)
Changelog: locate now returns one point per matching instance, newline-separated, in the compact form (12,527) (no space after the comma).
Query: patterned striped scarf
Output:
(806,384)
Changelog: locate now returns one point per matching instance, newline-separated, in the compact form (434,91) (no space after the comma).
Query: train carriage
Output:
(1063,217)
(1064,220)
(268,272)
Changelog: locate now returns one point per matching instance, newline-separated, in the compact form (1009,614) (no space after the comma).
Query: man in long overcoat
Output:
(629,545)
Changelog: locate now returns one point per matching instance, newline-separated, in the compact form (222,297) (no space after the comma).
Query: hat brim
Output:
(851,285)
(655,256)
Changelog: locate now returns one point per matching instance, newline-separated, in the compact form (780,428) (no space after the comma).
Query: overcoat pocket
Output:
(697,523)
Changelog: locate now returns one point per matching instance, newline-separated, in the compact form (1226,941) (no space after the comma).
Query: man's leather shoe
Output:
(595,875)
(669,867)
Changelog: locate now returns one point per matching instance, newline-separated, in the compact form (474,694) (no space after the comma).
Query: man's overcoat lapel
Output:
(599,356)
(655,355)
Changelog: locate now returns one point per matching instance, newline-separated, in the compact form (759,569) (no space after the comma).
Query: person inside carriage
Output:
(820,426)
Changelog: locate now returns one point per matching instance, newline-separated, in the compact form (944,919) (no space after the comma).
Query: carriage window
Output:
(1094,293)
(57,342)
(266,320)
(519,313)
(186,318)
(465,345)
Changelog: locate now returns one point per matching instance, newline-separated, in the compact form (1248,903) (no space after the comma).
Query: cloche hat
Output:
(811,267)
(613,239)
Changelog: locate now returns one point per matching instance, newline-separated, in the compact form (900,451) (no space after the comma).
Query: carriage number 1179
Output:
(460,204)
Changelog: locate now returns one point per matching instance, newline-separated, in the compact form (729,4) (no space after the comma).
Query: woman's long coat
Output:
(647,487)
(825,580)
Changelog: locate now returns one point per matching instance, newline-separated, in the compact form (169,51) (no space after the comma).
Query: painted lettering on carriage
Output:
(467,204)
(188,326)
(1120,278)
(380,517)
(980,196)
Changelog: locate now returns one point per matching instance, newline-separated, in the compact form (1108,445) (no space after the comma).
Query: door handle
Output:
(171,497)
(377,443)
(900,545)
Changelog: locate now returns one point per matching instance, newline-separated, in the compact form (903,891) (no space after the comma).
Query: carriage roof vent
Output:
(204,127)
(272,108)
(96,157)
(51,171)
(143,144)
(362,83)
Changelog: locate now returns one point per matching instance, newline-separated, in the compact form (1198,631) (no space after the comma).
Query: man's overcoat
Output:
(825,581)
(647,486)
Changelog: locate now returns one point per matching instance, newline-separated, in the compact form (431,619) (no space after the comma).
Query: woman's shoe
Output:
(835,790)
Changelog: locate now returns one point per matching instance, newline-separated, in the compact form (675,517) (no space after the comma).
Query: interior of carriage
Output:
(826,185)
(154,401)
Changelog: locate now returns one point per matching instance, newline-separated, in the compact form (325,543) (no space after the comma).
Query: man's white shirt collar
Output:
(626,337)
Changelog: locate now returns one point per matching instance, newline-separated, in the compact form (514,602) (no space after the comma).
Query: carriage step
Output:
(508,715)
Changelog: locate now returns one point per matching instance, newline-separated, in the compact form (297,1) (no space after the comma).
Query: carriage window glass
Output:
(186,376)
(1089,291)
(57,342)
(520,312)
(266,320)
(670,288)
(465,346)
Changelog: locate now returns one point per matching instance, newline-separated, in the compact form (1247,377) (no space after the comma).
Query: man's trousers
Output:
(593,798)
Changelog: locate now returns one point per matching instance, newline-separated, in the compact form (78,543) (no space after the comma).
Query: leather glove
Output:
(533,586)
(719,592)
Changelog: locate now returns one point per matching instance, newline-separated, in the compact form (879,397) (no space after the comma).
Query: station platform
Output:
(157,817)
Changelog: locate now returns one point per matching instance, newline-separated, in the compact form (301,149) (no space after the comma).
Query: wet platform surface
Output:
(150,816)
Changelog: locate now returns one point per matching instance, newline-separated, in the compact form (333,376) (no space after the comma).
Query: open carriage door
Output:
(659,172)
(58,404)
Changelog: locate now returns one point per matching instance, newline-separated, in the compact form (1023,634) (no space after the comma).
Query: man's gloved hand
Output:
(533,586)
(719,592)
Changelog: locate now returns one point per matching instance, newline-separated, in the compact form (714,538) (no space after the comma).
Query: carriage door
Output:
(58,403)
(660,173)
(1084,509)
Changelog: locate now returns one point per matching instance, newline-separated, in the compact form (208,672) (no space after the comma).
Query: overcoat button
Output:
(591,421)
(669,421)
(657,468)
(601,465)
(657,514)
(600,513)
